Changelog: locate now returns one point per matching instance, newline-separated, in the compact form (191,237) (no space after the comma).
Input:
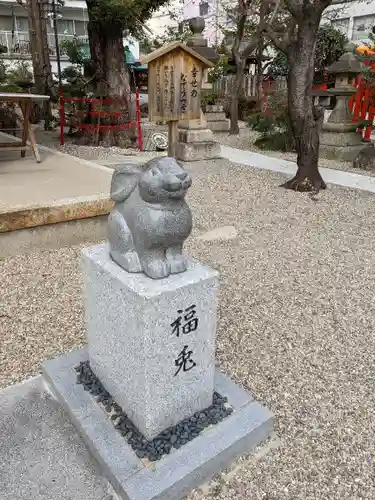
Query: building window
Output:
(80,28)
(341,25)
(22,24)
(362,26)
(6,23)
(203,8)
(65,26)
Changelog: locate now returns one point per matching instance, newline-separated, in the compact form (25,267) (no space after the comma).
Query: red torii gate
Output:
(362,103)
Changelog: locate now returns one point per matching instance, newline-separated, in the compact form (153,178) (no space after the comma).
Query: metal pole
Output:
(56,42)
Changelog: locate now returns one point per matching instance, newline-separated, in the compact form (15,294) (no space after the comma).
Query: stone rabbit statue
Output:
(150,220)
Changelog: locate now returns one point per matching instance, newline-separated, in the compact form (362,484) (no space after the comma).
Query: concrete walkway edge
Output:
(60,153)
(257,160)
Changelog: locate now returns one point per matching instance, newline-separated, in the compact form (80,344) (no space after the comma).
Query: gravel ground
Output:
(246,138)
(296,325)
(51,139)
(245,141)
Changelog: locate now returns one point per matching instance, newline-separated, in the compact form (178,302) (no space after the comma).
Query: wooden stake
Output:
(172,137)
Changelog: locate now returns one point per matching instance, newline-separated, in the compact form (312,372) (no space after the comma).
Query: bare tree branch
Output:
(240,33)
(275,12)
(249,49)
(295,7)
(278,43)
(22,4)
(282,43)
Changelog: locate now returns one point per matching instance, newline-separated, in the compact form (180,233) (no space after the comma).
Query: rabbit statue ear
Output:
(124,180)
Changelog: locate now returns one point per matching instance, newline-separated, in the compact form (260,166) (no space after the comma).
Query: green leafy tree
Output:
(298,43)
(109,22)
(329,48)
(247,38)
(171,34)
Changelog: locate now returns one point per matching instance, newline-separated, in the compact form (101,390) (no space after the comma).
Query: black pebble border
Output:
(173,437)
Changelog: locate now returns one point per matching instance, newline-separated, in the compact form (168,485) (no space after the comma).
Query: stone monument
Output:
(339,138)
(145,394)
(214,113)
(195,139)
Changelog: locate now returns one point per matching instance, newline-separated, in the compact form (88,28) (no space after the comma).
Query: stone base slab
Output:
(198,151)
(172,477)
(53,236)
(214,108)
(214,117)
(340,127)
(55,212)
(341,139)
(187,136)
(200,124)
(219,125)
(344,153)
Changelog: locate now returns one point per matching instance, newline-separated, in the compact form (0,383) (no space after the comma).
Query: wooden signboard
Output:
(175,76)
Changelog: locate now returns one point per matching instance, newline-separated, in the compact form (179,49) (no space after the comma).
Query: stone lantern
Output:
(195,138)
(339,139)
(197,42)
(214,113)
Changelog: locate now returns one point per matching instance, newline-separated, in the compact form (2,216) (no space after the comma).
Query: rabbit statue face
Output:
(163,180)
(150,220)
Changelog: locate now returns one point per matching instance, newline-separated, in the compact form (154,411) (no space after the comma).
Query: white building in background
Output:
(212,11)
(14,30)
(215,14)
(72,21)
(162,19)
(354,18)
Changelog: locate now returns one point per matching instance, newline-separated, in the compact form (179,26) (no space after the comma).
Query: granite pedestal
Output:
(151,342)
(195,141)
(172,477)
(216,120)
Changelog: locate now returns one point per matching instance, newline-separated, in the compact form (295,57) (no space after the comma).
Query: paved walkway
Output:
(25,183)
(38,440)
(257,160)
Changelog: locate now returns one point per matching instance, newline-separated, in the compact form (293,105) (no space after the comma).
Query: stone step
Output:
(219,126)
(198,151)
(213,117)
(214,108)
(188,136)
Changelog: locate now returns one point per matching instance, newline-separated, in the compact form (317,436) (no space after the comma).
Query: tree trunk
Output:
(43,80)
(259,59)
(36,54)
(47,68)
(305,120)
(259,81)
(111,82)
(236,93)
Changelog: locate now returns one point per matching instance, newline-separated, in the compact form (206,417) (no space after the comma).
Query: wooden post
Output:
(172,137)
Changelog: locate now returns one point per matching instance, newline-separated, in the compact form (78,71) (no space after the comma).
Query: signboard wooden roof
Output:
(175,75)
(173,46)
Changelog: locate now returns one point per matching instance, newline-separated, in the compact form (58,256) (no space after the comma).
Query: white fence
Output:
(224,85)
